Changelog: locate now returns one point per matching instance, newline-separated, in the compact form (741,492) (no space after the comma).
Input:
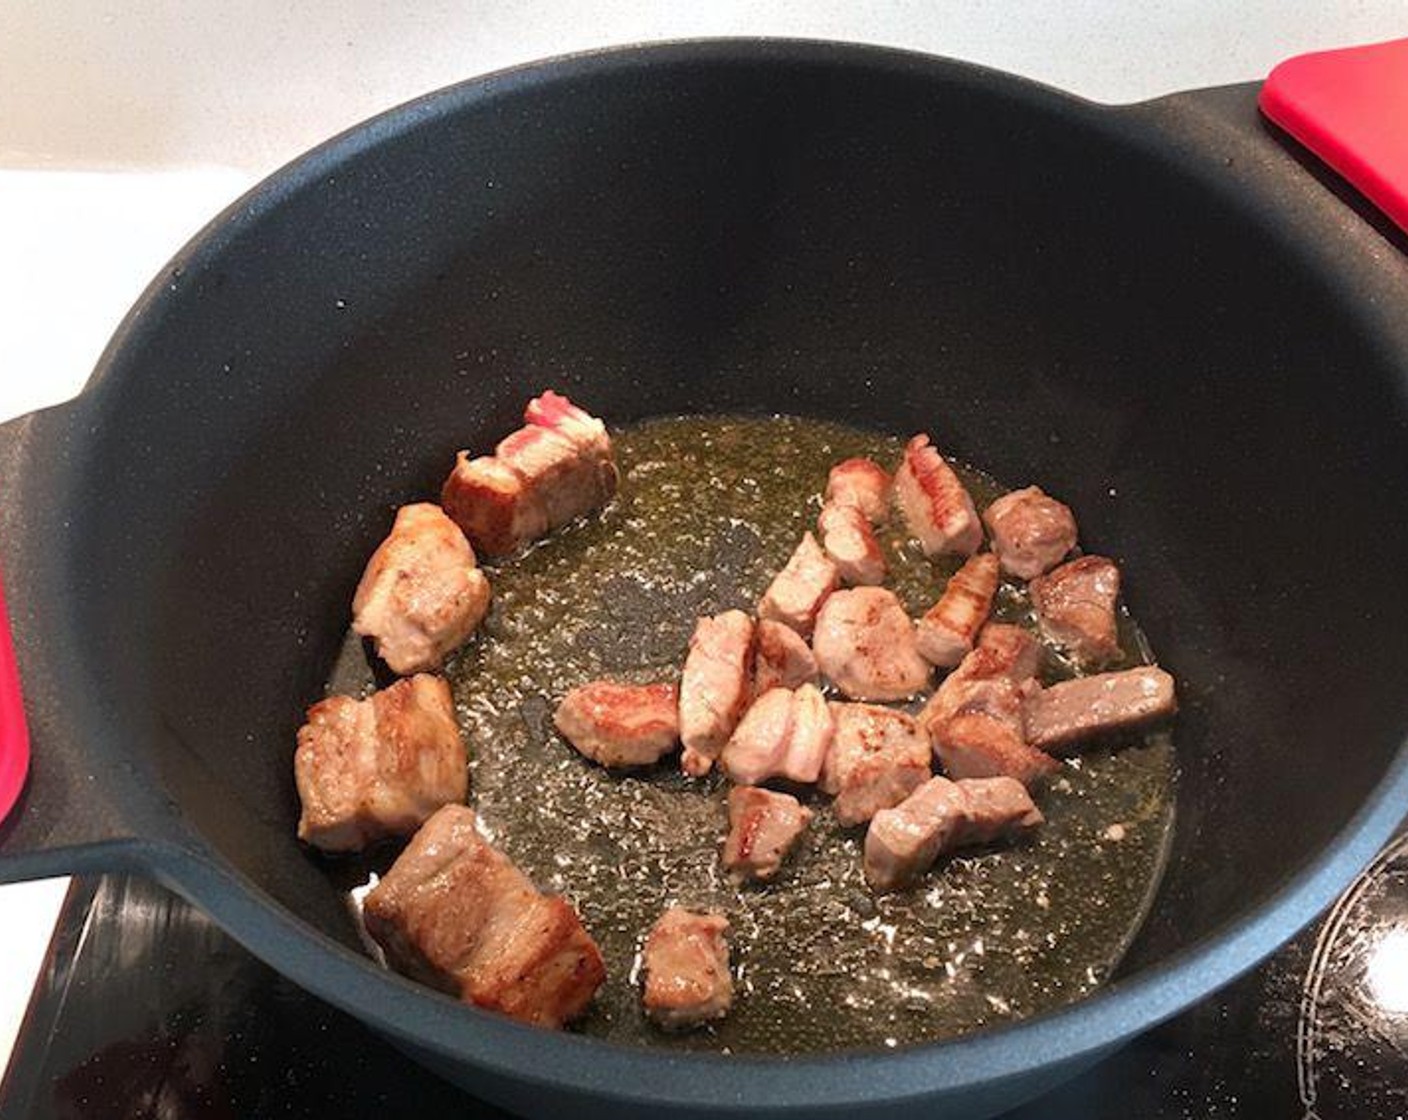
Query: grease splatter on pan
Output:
(709,509)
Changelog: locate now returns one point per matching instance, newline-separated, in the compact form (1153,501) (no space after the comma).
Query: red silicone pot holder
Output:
(14,732)
(1350,107)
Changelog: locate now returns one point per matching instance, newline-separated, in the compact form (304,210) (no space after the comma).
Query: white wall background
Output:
(248,84)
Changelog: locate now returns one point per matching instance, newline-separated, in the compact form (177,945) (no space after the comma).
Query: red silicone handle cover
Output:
(14,731)
(1350,107)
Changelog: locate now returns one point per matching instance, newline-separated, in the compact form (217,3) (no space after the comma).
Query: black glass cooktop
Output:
(146,1010)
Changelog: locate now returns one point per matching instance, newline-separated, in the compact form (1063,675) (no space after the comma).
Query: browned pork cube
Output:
(1003,652)
(373,768)
(996,808)
(782,658)
(904,840)
(986,739)
(975,717)
(866,646)
(941,815)
(785,734)
(877,757)
(1006,650)
(620,724)
(1075,605)
(489,501)
(797,592)
(1031,533)
(554,411)
(861,483)
(1064,714)
(935,504)
(846,537)
(810,739)
(759,742)
(455,913)
(947,632)
(715,687)
(687,979)
(763,828)
(558,476)
(421,595)
(554,469)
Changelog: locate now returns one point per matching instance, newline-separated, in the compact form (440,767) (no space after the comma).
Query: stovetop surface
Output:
(146,1009)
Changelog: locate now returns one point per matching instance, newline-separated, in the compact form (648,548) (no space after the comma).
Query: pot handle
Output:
(14,728)
(1350,107)
(61,811)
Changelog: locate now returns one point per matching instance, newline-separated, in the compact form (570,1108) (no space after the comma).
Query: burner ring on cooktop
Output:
(1352,1035)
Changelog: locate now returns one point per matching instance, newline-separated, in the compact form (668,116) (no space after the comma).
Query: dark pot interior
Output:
(894,243)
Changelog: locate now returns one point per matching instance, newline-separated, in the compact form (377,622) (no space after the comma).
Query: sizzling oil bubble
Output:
(708,510)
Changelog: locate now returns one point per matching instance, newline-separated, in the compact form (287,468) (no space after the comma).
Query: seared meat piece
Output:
(941,815)
(554,411)
(947,630)
(797,592)
(759,742)
(986,740)
(1003,652)
(687,979)
(715,687)
(1078,709)
(865,645)
(975,717)
(878,755)
(863,484)
(421,596)
(490,501)
(904,840)
(1008,650)
(620,724)
(1031,533)
(784,734)
(763,827)
(782,658)
(455,913)
(936,506)
(557,475)
(810,741)
(1075,604)
(550,471)
(997,807)
(850,542)
(368,769)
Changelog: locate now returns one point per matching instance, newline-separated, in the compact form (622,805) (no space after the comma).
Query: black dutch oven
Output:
(1158,311)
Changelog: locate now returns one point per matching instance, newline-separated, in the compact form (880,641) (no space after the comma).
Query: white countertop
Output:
(125,127)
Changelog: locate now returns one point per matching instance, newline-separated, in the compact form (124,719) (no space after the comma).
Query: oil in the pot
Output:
(708,510)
